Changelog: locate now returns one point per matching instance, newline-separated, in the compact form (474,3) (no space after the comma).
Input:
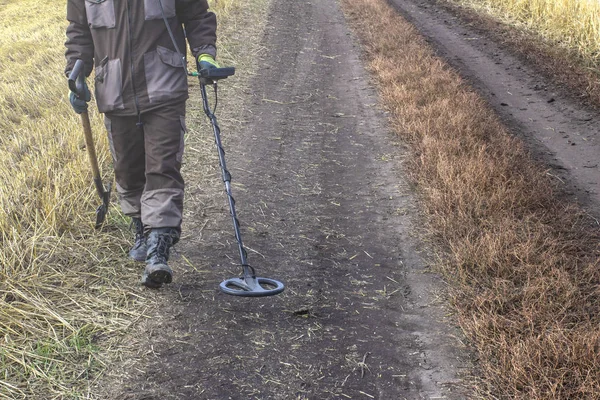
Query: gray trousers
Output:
(147,162)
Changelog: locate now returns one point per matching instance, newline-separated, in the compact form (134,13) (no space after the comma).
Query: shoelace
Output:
(162,247)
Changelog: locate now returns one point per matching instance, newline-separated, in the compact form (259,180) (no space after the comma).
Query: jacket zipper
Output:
(135,95)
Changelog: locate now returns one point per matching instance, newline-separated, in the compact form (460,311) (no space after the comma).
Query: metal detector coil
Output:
(248,285)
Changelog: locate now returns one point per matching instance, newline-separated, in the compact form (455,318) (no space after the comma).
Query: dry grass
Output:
(61,296)
(523,267)
(570,24)
(67,294)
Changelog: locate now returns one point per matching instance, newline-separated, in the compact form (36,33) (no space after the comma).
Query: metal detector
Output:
(248,285)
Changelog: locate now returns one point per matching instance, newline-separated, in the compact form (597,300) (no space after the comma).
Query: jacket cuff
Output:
(205,49)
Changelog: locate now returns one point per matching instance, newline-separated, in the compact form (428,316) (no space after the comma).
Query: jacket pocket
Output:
(152,9)
(165,76)
(109,86)
(100,13)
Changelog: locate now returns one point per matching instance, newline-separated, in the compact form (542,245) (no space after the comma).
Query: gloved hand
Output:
(79,103)
(206,61)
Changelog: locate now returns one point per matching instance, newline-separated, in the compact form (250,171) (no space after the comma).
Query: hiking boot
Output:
(138,251)
(159,242)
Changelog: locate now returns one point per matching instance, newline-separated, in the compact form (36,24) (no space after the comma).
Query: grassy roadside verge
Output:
(522,266)
(68,296)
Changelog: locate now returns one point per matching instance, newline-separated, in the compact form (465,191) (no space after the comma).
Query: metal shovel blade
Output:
(101,212)
(102,209)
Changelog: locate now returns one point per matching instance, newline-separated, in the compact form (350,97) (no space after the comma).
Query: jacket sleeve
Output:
(200,26)
(79,42)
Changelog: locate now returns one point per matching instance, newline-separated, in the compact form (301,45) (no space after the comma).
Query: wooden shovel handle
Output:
(89,144)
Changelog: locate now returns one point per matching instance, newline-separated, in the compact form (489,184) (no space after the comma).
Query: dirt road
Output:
(324,207)
(559,131)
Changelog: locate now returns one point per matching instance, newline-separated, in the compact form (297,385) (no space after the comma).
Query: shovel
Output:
(76,82)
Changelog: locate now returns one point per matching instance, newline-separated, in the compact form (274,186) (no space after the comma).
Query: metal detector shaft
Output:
(226,177)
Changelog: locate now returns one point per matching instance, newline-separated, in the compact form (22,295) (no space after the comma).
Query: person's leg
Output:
(162,199)
(126,141)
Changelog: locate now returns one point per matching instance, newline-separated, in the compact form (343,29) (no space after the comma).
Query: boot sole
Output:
(160,277)
(156,278)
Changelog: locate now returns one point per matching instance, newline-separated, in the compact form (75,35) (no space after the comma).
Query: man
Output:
(141,87)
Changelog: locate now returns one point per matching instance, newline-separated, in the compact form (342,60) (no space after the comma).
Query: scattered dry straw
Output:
(522,265)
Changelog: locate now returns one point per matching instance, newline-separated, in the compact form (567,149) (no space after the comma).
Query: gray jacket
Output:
(136,65)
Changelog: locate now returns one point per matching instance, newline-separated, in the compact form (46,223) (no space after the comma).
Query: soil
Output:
(326,208)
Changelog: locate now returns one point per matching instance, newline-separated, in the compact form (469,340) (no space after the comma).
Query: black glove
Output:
(79,102)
